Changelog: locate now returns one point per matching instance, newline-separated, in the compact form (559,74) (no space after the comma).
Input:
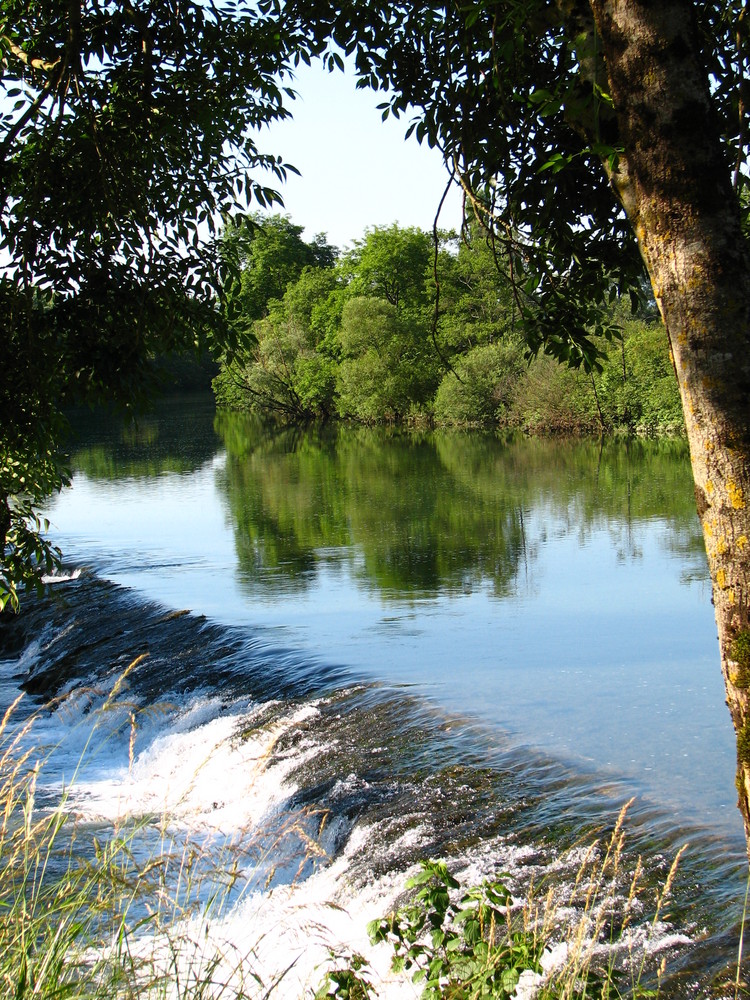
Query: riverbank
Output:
(493,386)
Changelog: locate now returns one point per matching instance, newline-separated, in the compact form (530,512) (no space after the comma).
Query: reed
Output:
(88,917)
(602,949)
(83,916)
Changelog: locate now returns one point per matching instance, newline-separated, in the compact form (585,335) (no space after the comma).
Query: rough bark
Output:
(675,186)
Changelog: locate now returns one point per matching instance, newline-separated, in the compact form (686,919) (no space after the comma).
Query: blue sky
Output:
(357,170)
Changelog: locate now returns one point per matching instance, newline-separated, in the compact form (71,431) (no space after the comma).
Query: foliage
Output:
(349,980)
(461,949)
(30,426)
(362,340)
(552,399)
(29,554)
(387,365)
(269,254)
(124,132)
(637,387)
(283,372)
(476,299)
(352,338)
(391,263)
(481,386)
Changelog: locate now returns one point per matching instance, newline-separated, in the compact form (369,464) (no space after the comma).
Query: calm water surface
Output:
(444,644)
(556,590)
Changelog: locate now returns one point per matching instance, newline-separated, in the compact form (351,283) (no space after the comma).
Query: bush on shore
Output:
(358,337)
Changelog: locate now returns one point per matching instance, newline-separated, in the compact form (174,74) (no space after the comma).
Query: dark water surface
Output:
(465,646)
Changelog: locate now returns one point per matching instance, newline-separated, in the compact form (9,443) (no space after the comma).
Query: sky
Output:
(357,171)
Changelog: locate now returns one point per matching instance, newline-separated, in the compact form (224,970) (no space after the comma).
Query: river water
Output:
(392,646)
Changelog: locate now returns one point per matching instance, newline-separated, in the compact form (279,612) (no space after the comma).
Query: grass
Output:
(481,942)
(87,918)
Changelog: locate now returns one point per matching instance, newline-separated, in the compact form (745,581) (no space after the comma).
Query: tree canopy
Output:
(597,140)
(126,130)
(516,96)
(364,340)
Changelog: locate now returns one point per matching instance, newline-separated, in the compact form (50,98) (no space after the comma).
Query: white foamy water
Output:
(61,576)
(283,941)
(219,770)
(207,772)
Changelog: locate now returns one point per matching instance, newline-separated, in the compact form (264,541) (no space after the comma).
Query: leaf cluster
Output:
(516,102)
(126,129)
(464,947)
(348,980)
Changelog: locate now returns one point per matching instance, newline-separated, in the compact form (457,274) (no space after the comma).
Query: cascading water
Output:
(351,705)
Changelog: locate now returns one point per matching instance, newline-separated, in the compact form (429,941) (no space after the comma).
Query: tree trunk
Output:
(674,182)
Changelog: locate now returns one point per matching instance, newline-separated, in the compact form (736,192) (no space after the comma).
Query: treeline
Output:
(357,335)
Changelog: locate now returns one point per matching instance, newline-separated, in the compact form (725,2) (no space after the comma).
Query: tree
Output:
(391,262)
(125,130)
(371,313)
(270,254)
(280,305)
(387,366)
(482,384)
(476,301)
(592,138)
(595,137)
(286,372)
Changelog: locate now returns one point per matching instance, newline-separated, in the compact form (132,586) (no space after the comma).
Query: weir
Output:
(365,650)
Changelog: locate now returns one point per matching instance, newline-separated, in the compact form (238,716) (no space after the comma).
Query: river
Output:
(448,644)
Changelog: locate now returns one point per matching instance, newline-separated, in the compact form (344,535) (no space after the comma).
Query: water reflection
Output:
(175,437)
(442,513)
(556,590)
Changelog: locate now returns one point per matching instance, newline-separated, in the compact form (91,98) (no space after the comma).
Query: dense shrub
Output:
(550,398)
(481,387)
(652,378)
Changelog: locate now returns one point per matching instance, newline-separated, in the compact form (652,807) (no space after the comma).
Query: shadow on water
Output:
(175,436)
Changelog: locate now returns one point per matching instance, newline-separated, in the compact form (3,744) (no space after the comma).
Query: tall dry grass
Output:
(89,917)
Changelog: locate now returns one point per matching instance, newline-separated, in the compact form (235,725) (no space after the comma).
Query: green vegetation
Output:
(465,944)
(741,657)
(126,132)
(470,946)
(83,914)
(359,337)
(743,744)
